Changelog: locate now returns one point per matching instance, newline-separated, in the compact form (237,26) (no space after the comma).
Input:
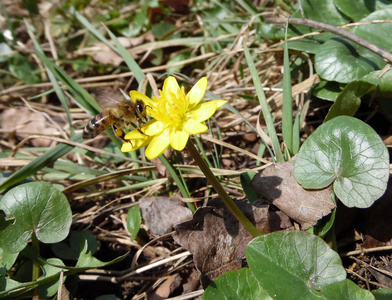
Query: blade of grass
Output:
(40,162)
(118,48)
(264,105)
(287,106)
(296,134)
(59,92)
(131,63)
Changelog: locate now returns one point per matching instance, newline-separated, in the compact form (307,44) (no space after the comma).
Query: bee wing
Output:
(109,98)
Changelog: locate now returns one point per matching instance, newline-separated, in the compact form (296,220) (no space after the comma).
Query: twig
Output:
(339,31)
(356,252)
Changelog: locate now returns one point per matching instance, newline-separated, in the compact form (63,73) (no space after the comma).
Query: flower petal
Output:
(126,147)
(193,127)
(153,128)
(158,145)
(197,92)
(135,95)
(205,110)
(134,135)
(135,144)
(178,139)
(170,86)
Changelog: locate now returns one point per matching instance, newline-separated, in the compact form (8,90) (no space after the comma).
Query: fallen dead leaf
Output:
(218,241)
(26,122)
(160,214)
(166,288)
(278,186)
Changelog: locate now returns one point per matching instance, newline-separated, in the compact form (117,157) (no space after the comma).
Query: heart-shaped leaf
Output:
(346,290)
(72,250)
(349,153)
(349,100)
(345,61)
(293,265)
(377,33)
(318,10)
(238,284)
(357,10)
(35,207)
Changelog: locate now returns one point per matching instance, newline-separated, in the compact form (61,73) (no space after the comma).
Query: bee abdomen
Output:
(97,125)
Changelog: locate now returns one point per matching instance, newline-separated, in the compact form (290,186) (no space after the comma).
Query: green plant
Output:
(39,212)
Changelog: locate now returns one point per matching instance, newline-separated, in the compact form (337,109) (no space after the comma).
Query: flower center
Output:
(171,109)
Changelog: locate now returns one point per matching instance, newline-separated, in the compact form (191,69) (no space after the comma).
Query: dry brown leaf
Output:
(277,185)
(166,288)
(217,240)
(25,123)
(160,214)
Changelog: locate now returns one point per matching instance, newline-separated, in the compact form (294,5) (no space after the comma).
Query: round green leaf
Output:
(238,284)
(377,33)
(345,61)
(346,290)
(293,265)
(349,153)
(35,207)
(357,10)
(317,10)
(383,294)
(327,90)
(134,220)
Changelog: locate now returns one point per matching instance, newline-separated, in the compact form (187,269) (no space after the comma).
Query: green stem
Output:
(36,268)
(221,192)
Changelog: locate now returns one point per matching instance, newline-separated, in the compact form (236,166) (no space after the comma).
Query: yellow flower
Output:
(174,116)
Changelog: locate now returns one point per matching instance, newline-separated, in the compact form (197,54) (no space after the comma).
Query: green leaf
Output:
(176,59)
(357,10)
(87,261)
(346,290)
(349,153)
(318,10)
(21,68)
(383,294)
(310,44)
(250,193)
(239,284)
(7,259)
(345,61)
(134,220)
(327,90)
(35,207)
(161,29)
(48,289)
(293,265)
(349,100)
(377,33)
(76,241)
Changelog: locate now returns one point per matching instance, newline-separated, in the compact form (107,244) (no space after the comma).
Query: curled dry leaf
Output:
(277,185)
(218,241)
(160,214)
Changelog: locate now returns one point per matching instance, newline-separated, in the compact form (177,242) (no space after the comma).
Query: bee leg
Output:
(137,128)
(120,134)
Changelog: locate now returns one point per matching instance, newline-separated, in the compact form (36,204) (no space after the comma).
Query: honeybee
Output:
(123,114)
